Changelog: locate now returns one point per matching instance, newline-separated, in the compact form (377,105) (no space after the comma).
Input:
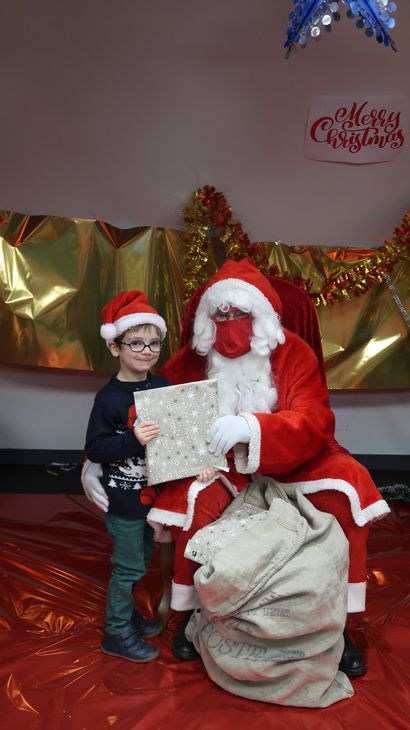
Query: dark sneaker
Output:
(352,662)
(129,645)
(146,627)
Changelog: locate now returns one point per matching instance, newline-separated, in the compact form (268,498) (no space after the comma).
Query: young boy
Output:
(134,333)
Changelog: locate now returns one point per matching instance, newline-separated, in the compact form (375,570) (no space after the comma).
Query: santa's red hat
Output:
(128,309)
(235,280)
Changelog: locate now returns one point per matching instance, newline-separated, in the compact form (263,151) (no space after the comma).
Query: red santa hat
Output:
(237,279)
(128,309)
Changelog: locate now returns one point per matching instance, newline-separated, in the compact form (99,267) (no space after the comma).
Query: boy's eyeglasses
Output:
(139,345)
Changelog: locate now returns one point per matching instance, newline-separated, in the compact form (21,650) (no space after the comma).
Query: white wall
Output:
(44,408)
(373,422)
(49,409)
(119,111)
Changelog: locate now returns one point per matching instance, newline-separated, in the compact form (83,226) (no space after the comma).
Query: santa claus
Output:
(275,421)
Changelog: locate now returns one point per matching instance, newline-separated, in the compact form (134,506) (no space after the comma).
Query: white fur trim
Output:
(356,597)
(194,489)
(227,288)
(182,597)
(160,519)
(164,517)
(111,330)
(374,511)
(247,458)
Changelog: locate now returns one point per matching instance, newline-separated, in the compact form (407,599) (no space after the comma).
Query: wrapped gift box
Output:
(184,413)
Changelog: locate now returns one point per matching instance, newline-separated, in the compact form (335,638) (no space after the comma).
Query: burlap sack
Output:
(272,593)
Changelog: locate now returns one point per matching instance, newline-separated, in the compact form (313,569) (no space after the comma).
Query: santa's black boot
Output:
(352,662)
(182,648)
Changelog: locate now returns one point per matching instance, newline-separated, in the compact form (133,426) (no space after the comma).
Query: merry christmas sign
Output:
(184,414)
(356,129)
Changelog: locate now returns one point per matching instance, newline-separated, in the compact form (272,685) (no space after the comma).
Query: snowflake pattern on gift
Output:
(184,413)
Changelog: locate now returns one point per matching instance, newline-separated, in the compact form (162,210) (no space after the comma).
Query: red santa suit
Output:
(291,430)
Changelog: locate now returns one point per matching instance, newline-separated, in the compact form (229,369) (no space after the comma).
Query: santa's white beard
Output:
(245,383)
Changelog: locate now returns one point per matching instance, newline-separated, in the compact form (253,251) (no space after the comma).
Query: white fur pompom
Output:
(108,331)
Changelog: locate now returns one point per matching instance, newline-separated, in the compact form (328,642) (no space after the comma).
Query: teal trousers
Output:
(132,549)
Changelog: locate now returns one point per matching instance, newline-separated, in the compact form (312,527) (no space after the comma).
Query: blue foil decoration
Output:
(309,18)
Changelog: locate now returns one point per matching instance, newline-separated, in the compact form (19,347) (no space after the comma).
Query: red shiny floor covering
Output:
(54,570)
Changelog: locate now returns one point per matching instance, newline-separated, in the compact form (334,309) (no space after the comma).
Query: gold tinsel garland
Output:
(209,210)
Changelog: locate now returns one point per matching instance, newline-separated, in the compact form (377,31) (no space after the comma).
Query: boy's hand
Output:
(146,431)
(206,474)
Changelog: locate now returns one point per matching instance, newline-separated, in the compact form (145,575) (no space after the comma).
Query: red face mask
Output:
(233,337)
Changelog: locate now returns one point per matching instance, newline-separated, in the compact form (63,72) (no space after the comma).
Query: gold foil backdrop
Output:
(57,273)
(365,339)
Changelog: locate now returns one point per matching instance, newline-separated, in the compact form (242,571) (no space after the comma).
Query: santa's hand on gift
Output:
(146,431)
(226,432)
(94,491)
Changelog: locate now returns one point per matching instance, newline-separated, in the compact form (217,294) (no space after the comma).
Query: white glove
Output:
(94,491)
(226,432)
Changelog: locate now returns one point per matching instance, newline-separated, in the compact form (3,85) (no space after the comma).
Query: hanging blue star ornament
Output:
(310,17)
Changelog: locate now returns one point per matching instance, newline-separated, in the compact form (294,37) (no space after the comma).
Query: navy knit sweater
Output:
(111,441)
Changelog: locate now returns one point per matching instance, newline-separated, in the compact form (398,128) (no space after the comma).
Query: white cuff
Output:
(182,597)
(356,597)
(247,457)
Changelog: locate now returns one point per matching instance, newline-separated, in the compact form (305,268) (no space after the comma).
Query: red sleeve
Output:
(303,423)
